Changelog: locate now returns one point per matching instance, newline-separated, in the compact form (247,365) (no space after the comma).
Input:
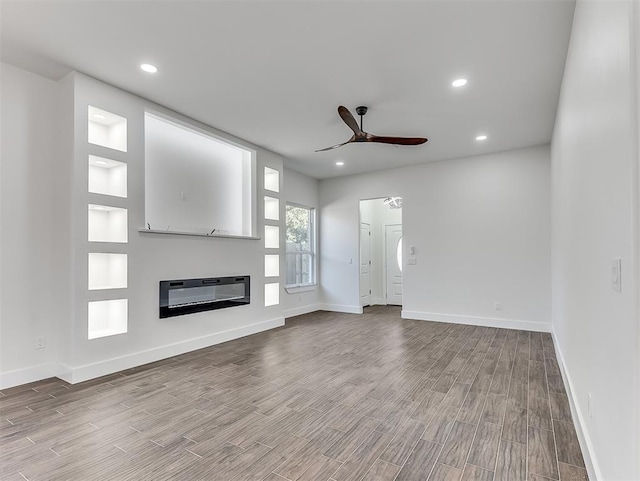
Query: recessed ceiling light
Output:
(147,67)
(99,117)
(481,137)
(101,162)
(459,82)
(340,163)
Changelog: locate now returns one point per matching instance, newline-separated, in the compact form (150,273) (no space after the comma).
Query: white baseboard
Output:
(75,374)
(298,311)
(477,321)
(588,453)
(27,375)
(341,308)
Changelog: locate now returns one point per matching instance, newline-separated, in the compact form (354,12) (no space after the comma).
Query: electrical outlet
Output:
(497,306)
(40,342)
(616,275)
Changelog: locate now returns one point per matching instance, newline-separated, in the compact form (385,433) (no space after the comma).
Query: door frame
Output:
(386,262)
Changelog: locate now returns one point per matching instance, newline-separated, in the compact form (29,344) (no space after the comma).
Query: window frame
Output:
(292,288)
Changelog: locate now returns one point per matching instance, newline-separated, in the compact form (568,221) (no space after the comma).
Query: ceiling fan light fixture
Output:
(393,202)
(460,82)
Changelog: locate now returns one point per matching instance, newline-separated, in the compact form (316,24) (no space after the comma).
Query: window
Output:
(300,246)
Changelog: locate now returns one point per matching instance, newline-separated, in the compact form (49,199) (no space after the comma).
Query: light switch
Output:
(616,274)
(411,261)
(412,250)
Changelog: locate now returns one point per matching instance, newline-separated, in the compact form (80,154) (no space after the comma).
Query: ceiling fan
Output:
(360,135)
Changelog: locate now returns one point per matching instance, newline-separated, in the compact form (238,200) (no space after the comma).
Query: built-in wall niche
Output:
(271,208)
(271,179)
(107,176)
(107,129)
(107,224)
(107,271)
(195,182)
(271,265)
(272,294)
(271,237)
(107,318)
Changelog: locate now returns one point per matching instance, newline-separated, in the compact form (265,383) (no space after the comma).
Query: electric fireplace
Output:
(186,296)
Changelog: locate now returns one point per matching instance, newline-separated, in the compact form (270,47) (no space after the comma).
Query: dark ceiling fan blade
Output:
(348,119)
(336,146)
(396,140)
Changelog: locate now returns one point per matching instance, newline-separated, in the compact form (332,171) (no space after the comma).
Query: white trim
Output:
(91,371)
(298,311)
(341,308)
(27,375)
(478,321)
(588,451)
(297,289)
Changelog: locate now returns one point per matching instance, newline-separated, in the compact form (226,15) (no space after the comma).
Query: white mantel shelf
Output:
(174,232)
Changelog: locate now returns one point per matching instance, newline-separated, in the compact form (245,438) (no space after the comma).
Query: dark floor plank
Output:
(567,444)
(572,473)
(382,471)
(456,395)
(472,407)
(438,429)
(494,409)
(475,473)
(443,472)
(363,457)
(320,470)
(403,442)
(512,462)
(542,453)
(560,409)
(456,449)
(539,413)
(420,462)
(485,446)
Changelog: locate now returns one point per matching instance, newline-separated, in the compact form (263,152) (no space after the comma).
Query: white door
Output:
(365,264)
(393,250)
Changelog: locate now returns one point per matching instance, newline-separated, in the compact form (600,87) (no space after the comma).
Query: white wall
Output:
(481,229)
(595,216)
(301,189)
(44,238)
(28,220)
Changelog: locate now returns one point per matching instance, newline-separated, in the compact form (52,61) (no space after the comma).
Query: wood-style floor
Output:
(328,397)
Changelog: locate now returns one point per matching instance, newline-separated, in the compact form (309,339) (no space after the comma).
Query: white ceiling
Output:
(274,72)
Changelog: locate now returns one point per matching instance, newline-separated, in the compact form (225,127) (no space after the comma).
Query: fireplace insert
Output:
(186,296)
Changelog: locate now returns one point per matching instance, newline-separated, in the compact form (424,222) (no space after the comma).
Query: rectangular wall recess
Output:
(107,271)
(107,176)
(107,224)
(271,237)
(271,265)
(107,129)
(272,294)
(271,208)
(107,318)
(271,179)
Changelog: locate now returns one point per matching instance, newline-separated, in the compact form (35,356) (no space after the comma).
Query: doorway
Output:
(380,261)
